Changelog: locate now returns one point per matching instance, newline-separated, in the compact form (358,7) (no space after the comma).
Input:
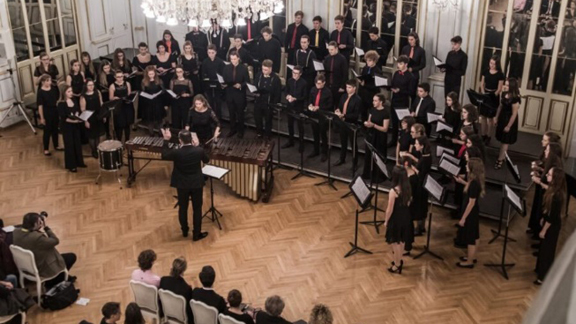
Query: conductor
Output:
(187,178)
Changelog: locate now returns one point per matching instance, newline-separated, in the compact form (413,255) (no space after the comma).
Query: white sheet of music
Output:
(437,61)
(380,81)
(401,113)
(444,127)
(214,171)
(251,87)
(513,197)
(433,117)
(86,114)
(449,167)
(172,93)
(452,159)
(220,78)
(514,166)
(360,189)
(318,66)
(441,149)
(548,42)
(359,51)
(150,96)
(433,187)
(227,63)
(381,165)
(290,66)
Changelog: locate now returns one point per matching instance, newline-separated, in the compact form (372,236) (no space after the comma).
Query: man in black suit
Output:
(235,77)
(336,69)
(206,294)
(187,178)
(296,95)
(199,42)
(319,37)
(213,66)
(348,111)
(456,65)
(269,91)
(342,37)
(320,99)
(293,33)
(245,56)
(269,48)
(305,59)
(378,45)
(422,106)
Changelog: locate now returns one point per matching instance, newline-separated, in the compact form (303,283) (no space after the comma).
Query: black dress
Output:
(548,246)
(471,231)
(504,119)
(166,77)
(52,72)
(123,114)
(71,134)
(48,99)
(398,227)
(203,124)
(491,82)
(405,140)
(137,79)
(151,109)
(378,139)
(96,124)
(414,184)
(420,196)
(87,73)
(191,71)
(181,106)
(77,83)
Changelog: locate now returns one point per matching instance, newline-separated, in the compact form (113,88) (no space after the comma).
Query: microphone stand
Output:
(16,103)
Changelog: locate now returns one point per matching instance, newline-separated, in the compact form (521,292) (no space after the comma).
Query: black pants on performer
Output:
(124,130)
(69,260)
(214,97)
(183,197)
(72,146)
(452,83)
(320,131)
(345,135)
(236,102)
(263,114)
(50,134)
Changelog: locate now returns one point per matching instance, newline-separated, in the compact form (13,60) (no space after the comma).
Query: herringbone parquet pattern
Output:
(292,247)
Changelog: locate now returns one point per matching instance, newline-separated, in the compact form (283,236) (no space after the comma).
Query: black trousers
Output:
(183,197)
(263,114)
(345,135)
(452,83)
(69,260)
(72,146)
(122,130)
(236,102)
(50,133)
(214,97)
(300,124)
(320,132)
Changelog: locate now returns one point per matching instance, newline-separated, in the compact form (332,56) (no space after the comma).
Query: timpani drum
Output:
(110,154)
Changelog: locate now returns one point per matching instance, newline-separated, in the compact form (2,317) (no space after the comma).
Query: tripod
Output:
(427,246)
(17,104)
(329,116)
(503,265)
(304,118)
(213,213)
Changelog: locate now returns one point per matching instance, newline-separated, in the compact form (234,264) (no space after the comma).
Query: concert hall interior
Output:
(267,161)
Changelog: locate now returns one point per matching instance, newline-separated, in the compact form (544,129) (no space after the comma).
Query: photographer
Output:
(39,238)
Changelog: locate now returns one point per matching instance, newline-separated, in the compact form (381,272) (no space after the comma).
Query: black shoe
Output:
(73,170)
(72,279)
(185,233)
(313,155)
(324,157)
(47,154)
(231,133)
(417,233)
(406,253)
(467,266)
(465,259)
(287,145)
(460,246)
(339,162)
(199,236)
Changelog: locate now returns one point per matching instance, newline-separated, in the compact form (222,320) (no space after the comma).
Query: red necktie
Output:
(317,102)
(169,47)
(332,71)
(401,72)
(293,43)
(346,105)
(249,29)
(411,52)
(338,41)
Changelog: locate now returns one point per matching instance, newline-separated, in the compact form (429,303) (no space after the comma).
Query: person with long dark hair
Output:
(75,78)
(203,120)
(491,84)
(124,113)
(91,100)
(469,117)
(405,140)
(507,119)
(133,314)
(151,110)
(475,140)
(47,102)
(452,116)
(46,67)
(182,87)
(164,63)
(377,134)
(121,63)
(68,110)
(140,62)
(172,46)
(423,166)
(551,221)
(87,66)
(397,221)
(469,225)
(105,76)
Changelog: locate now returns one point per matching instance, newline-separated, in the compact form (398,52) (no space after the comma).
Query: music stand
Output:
(108,110)
(363,196)
(513,169)
(354,129)
(329,116)
(304,118)
(480,100)
(213,172)
(519,205)
(278,109)
(439,193)
(379,161)
(372,149)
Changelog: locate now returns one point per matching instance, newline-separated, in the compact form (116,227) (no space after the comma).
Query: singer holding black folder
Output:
(140,62)
(235,78)
(336,71)
(320,99)
(69,110)
(455,67)
(124,113)
(368,88)
(377,127)
(182,88)
(91,100)
(165,63)
(422,106)
(296,96)
(348,110)
(151,110)
(213,66)
(304,58)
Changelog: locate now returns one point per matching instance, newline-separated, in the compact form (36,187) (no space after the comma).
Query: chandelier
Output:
(443,4)
(200,13)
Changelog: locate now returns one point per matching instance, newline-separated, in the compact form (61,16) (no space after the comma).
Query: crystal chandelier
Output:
(200,13)
(443,4)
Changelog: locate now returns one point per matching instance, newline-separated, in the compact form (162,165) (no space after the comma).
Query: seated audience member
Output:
(234,311)
(133,314)
(13,300)
(321,314)
(274,306)
(144,274)
(111,312)
(206,294)
(39,238)
(176,283)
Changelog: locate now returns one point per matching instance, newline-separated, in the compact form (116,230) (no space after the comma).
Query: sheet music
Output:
(380,81)
(220,78)
(449,167)
(174,95)
(86,114)
(227,63)
(514,166)
(401,113)
(437,61)
(433,117)
(354,13)
(360,189)
(290,66)
(452,159)
(381,165)
(433,187)
(441,149)
(444,127)
(150,96)
(548,42)
(251,87)
(390,24)
(513,198)
(214,171)
(359,51)
(9,229)
(318,66)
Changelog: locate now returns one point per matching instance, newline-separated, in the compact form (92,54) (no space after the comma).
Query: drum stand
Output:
(118,175)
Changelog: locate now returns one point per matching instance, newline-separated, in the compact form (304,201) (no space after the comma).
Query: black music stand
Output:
(372,149)
(329,115)
(379,161)
(363,196)
(480,100)
(513,169)
(107,110)
(520,206)
(305,119)
(213,172)
(278,109)
(354,129)
(439,193)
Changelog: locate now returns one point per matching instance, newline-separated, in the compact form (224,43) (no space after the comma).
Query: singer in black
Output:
(422,106)
(219,37)
(124,112)
(343,38)
(336,71)
(319,37)
(403,86)
(269,92)
(47,101)
(182,88)
(376,133)
(140,62)
(190,64)
(377,44)
(213,66)
(368,88)
(69,110)
(203,121)
(416,54)
(199,41)
(243,53)
(348,111)
(172,46)
(121,63)
(296,96)
(269,48)
(187,178)
(423,166)
(87,66)
(235,78)
(293,34)
(46,67)
(151,110)
(75,78)
(91,100)
(398,217)
(165,64)
(304,59)
(456,64)
(320,99)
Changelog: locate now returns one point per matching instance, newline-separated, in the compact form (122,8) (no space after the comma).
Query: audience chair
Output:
(174,307)
(203,314)
(225,319)
(146,296)
(6,319)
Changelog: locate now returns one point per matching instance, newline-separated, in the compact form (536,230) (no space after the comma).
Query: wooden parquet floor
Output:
(293,246)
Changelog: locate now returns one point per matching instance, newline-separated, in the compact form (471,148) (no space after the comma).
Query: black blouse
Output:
(203,123)
(491,80)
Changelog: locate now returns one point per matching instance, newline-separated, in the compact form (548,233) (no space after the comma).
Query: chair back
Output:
(24,260)
(146,296)
(203,314)
(225,319)
(174,307)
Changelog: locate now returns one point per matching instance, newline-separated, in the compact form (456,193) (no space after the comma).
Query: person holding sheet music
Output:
(151,109)
(414,181)
(165,63)
(368,88)
(378,45)
(405,140)
(140,62)
(403,85)
(377,127)
(189,62)
(336,71)
(46,67)
(47,102)
(397,221)
(213,66)
(121,63)
(269,91)
(172,46)
(203,121)
(491,84)
(469,117)
(552,207)
(124,112)
(423,162)
(452,113)
(294,32)
(416,54)
(469,225)
(235,79)
(75,78)
(296,96)
(87,66)
(199,42)
(319,37)
(343,38)
(455,67)
(348,110)
(91,100)
(269,48)
(320,99)
(69,110)
(422,106)
(183,90)
(506,119)
(219,37)
(304,58)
